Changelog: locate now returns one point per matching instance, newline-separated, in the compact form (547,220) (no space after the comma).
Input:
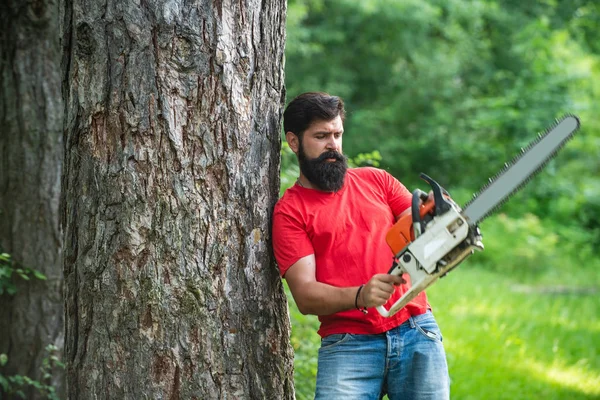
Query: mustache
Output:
(331,154)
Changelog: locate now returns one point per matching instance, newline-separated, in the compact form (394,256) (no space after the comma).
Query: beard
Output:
(327,176)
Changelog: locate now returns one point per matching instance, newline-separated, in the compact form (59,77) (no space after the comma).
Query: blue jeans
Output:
(407,362)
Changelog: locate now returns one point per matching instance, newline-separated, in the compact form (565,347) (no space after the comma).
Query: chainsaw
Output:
(435,235)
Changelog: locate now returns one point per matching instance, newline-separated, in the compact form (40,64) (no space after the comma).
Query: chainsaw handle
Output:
(384,313)
(418,196)
(441,205)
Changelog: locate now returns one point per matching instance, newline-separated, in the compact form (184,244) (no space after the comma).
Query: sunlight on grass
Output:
(529,345)
(577,377)
(501,343)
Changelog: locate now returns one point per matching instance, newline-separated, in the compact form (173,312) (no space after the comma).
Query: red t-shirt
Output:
(346,232)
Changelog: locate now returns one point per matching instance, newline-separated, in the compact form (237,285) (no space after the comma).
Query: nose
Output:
(333,144)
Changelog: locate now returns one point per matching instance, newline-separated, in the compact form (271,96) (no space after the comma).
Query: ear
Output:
(293,141)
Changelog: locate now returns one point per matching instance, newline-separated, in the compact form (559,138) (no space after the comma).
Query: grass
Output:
(507,336)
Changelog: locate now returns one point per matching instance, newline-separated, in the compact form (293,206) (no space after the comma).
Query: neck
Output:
(305,183)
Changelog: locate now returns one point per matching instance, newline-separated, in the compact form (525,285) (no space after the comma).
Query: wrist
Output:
(359,298)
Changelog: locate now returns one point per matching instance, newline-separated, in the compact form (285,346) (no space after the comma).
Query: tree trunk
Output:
(172,145)
(31,152)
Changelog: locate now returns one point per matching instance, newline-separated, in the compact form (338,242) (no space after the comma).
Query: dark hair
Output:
(310,107)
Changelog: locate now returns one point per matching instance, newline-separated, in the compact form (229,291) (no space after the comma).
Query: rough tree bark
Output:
(31,151)
(172,140)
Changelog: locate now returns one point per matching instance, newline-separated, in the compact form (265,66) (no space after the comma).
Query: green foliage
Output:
(455,88)
(534,247)
(289,168)
(8,270)
(305,342)
(15,385)
(372,159)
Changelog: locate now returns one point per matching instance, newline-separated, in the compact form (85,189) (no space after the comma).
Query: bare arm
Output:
(318,298)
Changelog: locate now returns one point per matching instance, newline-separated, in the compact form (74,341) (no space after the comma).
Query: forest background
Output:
(454,89)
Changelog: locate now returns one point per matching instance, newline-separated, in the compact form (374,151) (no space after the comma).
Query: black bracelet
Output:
(364,309)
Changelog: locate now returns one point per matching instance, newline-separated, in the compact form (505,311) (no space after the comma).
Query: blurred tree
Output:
(31,153)
(171,171)
(455,88)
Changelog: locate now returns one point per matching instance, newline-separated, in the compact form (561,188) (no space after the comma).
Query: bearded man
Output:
(329,241)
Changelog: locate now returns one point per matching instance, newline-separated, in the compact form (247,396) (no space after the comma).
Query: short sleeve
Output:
(398,196)
(290,240)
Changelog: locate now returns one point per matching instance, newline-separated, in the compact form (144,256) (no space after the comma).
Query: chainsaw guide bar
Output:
(520,170)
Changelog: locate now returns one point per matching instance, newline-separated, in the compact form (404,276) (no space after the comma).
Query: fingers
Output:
(427,197)
(379,289)
(430,197)
(398,280)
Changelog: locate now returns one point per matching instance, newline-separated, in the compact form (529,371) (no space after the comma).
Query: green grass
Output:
(507,336)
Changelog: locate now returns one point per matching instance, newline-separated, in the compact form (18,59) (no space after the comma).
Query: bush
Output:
(15,384)
(537,249)
(8,270)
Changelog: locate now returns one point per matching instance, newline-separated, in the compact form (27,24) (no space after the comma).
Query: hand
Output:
(379,289)
(426,197)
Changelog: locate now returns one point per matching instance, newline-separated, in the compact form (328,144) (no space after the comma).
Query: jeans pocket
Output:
(331,341)
(429,328)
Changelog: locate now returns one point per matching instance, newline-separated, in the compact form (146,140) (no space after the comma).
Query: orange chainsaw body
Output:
(402,232)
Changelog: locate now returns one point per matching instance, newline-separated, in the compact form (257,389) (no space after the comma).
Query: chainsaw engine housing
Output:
(428,241)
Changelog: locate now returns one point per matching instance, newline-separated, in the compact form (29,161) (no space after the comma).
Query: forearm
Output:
(318,298)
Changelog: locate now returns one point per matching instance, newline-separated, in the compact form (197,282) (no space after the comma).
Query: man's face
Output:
(320,155)
(323,136)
